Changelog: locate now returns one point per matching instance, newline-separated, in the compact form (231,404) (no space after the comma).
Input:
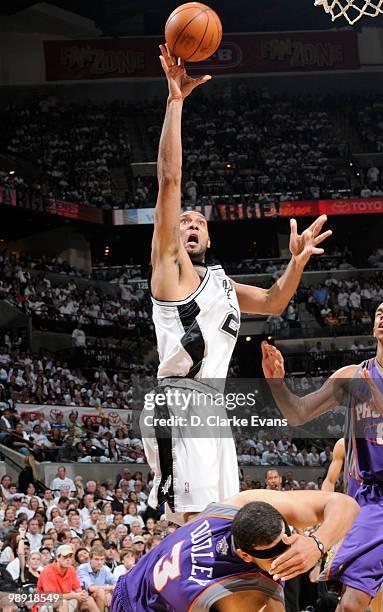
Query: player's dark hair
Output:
(256,524)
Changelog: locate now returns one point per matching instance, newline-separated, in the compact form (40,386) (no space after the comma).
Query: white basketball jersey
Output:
(196,337)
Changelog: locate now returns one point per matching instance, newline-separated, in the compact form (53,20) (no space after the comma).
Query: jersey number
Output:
(167,569)
(231,324)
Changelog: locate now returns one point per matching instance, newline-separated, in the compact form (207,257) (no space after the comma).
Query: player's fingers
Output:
(164,64)
(279,561)
(293,228)
(294,574)
(171,57)
(323,236)
(202,80)
(317,225)
(288,566)
(165,53)
(316,251)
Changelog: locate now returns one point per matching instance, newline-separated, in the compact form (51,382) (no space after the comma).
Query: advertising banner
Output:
(107,58)
(240,211)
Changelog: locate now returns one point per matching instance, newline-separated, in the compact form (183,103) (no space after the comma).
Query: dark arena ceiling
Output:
(124,17)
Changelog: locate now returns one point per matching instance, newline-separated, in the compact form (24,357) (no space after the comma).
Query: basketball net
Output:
(352,10)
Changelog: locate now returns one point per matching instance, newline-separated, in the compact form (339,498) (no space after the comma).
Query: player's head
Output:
(194,234)
(378,323)
(257,531)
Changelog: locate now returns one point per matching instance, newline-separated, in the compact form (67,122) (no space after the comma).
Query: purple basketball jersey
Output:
(357,561)
(364,430)
(192,569)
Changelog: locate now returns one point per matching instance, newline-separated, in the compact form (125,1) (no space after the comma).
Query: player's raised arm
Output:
(300,410)
(254,300)
(336,467)
(166,244)
(334,512)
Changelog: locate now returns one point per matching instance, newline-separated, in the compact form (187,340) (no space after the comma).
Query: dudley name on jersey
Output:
(192,569)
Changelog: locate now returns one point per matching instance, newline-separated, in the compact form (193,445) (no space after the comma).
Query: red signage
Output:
(360,206)
(74,210)
(107,58)
(299,209)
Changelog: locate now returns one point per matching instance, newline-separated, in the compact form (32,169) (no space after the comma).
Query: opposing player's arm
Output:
(254,300)
(300,410)
(307,508)
(334,512)
(336,467)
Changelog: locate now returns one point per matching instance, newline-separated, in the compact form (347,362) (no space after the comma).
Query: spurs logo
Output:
(166,487)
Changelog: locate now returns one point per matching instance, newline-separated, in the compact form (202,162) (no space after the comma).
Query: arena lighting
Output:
(248,338)
(269,337)
(12,172)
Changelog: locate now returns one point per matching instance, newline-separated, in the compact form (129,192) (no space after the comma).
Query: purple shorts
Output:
(357,561)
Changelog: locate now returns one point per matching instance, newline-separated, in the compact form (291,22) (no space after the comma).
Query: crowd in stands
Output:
(74,145)
(236,140)
(68,302)
(65,303)
(240,141)
(336,302)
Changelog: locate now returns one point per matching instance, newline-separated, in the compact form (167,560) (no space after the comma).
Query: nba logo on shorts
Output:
(187,487)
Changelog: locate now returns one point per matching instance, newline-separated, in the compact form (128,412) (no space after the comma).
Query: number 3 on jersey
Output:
(167,569)
(231,324)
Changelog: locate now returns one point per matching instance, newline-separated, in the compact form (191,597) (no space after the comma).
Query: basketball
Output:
(193,32)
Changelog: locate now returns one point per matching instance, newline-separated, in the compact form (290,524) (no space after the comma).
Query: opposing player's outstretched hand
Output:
(272,361)
(302,555)
(302,246)
(179,82)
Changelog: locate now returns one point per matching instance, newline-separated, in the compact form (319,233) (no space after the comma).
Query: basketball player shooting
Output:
(236,554)
(358,561)
(196,313)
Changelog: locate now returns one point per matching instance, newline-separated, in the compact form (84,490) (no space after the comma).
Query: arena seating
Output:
(301,150)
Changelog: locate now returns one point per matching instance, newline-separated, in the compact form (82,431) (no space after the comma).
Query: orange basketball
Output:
(193,32)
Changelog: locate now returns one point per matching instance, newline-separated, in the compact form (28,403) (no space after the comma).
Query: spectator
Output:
(60,577)
(61,481)
(313,457)
(96,578)
(273,480)
(33,534)
(128,560)
(78,338)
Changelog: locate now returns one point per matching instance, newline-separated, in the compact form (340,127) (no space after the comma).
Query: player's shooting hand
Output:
(302,246)
(179,82)
(302,555)
(272,361)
